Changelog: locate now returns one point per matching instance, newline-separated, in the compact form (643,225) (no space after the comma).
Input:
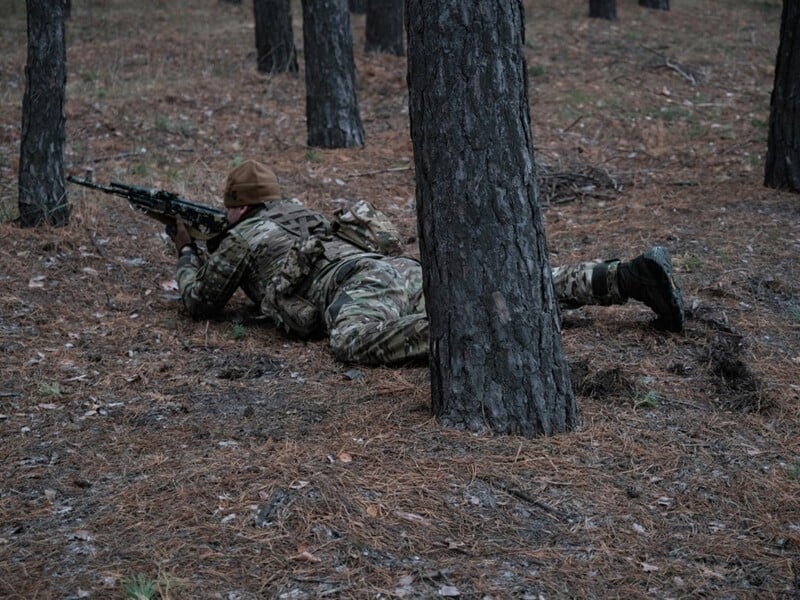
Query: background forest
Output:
(145,453)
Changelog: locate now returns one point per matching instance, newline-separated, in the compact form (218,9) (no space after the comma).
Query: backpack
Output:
(368,228)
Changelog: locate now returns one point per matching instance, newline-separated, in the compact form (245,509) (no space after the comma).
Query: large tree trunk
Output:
(782,169)
(274,36)
(42,194)
(496,354)
(384,29)
(603,9)
(332,114)
(658,4)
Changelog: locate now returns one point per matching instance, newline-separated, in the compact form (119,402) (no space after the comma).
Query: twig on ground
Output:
(501,485)
(686,72)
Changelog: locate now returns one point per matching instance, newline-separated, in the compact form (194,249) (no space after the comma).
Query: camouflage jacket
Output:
(252,255)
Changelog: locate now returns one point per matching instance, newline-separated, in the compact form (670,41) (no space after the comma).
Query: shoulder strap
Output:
(297,219)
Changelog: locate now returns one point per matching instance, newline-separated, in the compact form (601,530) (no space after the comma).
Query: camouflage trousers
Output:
(376,314)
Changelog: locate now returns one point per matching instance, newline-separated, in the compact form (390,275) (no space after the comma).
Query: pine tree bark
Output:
(782,166)
(358,7)
(332,116)
(496,355)
(657,4)
(603,9)
(384,27)
(42,194)
(275,49)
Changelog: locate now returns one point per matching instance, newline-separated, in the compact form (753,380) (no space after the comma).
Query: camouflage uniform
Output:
(371,306)
(574,284)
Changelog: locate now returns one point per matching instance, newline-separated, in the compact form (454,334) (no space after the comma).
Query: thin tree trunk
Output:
(657,4)
(603,9)
(275,47)
(42,194)
(332,115)
(782,167)
(384,28)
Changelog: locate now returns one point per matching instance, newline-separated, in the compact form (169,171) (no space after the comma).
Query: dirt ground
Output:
(146,453)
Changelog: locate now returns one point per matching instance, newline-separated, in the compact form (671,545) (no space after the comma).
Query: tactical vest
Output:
(304,223)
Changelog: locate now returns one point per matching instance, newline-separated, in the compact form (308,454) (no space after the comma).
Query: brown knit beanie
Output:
(251,183)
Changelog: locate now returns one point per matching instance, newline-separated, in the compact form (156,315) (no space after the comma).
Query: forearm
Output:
(204,291)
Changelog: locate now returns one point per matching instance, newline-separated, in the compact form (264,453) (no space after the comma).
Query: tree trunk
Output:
(358,7)
(42,197)
(603,9)
(496,355)
(274,36)
(659,4)
(782,168)
(384,29)
(332,114)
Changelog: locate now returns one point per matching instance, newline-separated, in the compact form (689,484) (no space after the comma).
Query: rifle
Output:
(203,222)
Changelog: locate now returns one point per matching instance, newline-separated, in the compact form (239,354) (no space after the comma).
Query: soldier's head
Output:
(251,183)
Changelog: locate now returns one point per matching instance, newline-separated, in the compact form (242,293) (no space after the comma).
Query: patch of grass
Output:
(696,130)
(648,399)
(577,98)
(725,132)
(141,169)
(312,156)
(673,113)
(139,587)
(9,210)
(183,127)
(794,314)
(238,331)
(793,471)
(754,160)
(52,389)
(691,263)
(162,124)
(535,71)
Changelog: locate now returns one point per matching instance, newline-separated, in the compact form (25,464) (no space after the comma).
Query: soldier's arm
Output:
(206,287)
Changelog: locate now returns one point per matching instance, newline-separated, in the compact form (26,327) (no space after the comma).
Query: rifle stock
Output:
(203,222)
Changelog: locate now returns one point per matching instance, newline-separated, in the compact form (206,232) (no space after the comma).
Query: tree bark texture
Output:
(496,355)
(658,4)
(332,115)
(384,27)
(358,7)
(782,167)
(603,9)
(275,47)
(42,194)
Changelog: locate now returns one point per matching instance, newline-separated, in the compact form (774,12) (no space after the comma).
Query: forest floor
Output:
(142,451)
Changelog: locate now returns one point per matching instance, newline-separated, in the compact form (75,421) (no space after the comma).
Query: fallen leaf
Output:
(413,518)
(306,556)
(345,457)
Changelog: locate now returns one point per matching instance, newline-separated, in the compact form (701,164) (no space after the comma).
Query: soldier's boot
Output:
(648,278)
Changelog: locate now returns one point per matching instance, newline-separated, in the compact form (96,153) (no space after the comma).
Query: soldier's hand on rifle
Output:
(180,236)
